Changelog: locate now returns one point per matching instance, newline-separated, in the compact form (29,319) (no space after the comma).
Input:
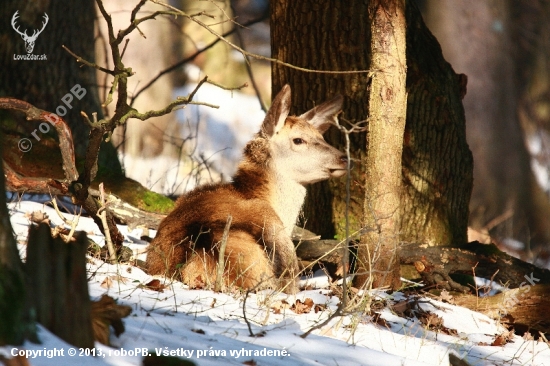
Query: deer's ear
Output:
(324,115)
(277,114)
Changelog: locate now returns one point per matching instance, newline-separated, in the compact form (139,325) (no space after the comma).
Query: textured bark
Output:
(437,164)
(58,285)
(485,260)
(44,83)
(524,307)
(377,254)
(305,34)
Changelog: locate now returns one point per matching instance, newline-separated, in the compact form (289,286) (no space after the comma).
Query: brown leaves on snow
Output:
(298,307)
(105,313)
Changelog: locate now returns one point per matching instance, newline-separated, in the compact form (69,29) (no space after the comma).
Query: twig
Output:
(246,53)
(87,63)
(336,313)
(250,332)
(103,215)
(221,256)
(249,71)
(72,223)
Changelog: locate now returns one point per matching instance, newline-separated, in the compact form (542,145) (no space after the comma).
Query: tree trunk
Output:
(305,34)
(44,83)
(14,319)
(437,164)
(377,254)
(482,41)
(57,280)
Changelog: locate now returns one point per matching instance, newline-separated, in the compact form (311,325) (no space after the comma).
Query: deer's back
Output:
(197,223)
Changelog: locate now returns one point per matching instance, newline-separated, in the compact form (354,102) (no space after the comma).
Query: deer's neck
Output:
(287,200)
(259,176)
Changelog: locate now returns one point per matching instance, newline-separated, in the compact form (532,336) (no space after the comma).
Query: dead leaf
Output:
(445,296)
(106,312)
(434,323)
(319,307)
(401,307)
(107,282)
(528,336)
(300,307)
(503,338)
(155,285)
(377,319)
(38,217)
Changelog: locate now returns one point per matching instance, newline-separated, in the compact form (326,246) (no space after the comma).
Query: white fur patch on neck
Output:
(287,199)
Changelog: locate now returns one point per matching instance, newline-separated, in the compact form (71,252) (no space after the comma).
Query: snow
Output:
(209,328)
(221,133)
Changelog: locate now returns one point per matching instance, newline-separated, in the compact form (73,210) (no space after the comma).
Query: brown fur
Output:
(259,251)
(190,237)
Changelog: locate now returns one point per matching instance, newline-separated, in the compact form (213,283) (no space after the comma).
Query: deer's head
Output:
(296,144)
(29,40)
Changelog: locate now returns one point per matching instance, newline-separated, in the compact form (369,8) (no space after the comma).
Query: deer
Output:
(29,40)
(264,199)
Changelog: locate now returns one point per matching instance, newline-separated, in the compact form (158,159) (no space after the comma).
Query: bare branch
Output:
(87,63)
(188,59)
(63,131)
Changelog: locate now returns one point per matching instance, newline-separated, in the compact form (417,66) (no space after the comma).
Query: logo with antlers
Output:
(29,40)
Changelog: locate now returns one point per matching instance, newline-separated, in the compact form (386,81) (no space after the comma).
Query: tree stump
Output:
(57,287)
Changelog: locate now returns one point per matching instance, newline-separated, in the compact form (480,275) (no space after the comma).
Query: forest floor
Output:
(209,328)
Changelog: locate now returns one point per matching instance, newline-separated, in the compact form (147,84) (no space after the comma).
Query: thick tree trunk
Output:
(305,34)
(437,162)
(44,83)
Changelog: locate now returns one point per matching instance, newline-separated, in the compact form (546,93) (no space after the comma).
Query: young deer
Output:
(264,200)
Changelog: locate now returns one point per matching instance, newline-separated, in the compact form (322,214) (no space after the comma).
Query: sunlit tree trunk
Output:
(377,254)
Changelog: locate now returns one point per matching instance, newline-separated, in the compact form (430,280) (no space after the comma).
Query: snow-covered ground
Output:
(209,328)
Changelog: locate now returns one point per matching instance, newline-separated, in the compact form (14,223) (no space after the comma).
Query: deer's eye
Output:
(298,141)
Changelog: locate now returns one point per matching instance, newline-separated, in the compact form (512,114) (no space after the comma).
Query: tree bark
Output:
(377,254)
(57,285)
(45,83)
(305,34)
(437,162)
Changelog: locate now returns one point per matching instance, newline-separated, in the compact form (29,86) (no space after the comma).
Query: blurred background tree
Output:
(504,49)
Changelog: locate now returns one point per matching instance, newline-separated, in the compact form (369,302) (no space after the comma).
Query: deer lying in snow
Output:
(264,200)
